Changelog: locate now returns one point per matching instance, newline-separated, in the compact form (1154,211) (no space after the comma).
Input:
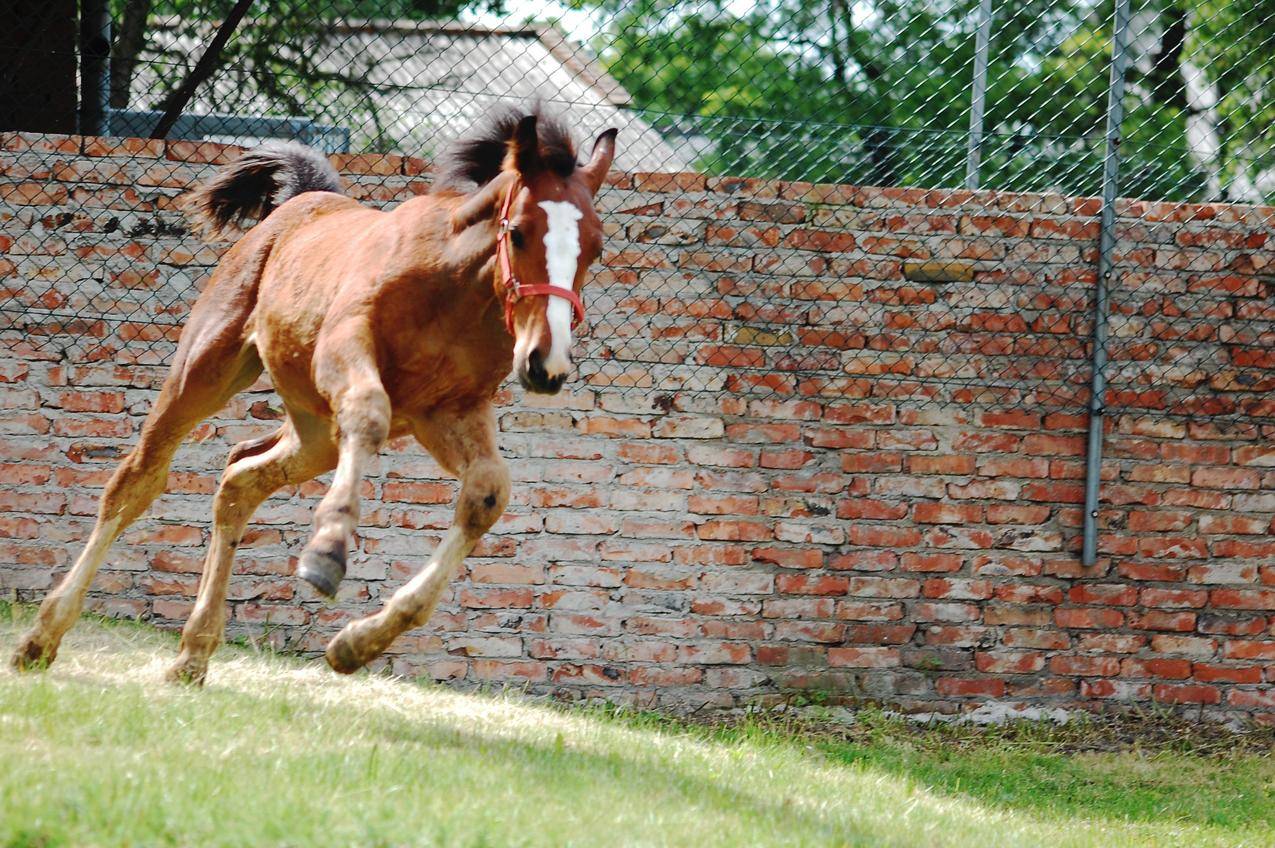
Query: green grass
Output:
(278,751)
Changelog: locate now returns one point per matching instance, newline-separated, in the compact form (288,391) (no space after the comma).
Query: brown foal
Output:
(371,324)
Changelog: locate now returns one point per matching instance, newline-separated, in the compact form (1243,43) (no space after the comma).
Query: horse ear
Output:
(595,172)
(526,146)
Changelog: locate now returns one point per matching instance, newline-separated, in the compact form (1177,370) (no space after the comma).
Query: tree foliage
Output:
(863,91)
(879,91)
(275,59)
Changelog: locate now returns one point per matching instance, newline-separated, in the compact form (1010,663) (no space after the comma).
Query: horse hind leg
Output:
(298,451)
(195,388)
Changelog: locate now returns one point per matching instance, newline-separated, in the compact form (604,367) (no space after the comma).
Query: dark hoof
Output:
(323,570)
(187,673)
(341,657)
(32,656)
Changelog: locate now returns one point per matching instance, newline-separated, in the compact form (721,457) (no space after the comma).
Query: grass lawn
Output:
(278,751)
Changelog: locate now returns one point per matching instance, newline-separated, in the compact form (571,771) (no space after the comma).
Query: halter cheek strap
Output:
(515,289)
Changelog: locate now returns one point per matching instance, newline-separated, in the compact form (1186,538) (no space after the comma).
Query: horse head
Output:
(548,236)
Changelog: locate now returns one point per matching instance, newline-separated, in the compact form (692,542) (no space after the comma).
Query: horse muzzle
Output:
(534,377)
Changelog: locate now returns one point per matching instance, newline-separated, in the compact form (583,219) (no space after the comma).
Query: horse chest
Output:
(433,373)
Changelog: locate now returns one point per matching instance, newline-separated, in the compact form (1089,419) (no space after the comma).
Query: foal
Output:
(371,324)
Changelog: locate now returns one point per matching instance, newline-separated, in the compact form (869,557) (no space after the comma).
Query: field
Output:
(279,751)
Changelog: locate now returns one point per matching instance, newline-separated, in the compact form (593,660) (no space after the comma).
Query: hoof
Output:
(31,655)
(323,570)
(187,672)
(341,656)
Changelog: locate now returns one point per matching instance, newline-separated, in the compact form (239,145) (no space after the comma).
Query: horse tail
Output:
(260,180)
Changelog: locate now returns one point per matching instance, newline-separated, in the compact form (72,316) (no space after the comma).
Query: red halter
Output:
(515,289)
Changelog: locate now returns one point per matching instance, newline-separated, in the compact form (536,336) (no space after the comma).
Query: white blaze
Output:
(562,248)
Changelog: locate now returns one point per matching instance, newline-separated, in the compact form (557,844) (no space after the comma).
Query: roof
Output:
(429,82)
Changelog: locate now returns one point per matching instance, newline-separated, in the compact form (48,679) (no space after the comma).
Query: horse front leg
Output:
(361,410)
(464,446)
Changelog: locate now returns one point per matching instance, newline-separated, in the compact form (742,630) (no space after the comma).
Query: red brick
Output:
(1263,455)
(1054,492)
(1043,444)
(1178,622)
(1225,478)
(941,464)
(880,634)
(1173,548)
(1235,649)
(1261,699)
(790,557)
(864,560)
(1156,667)
(1195,646)
(1143,521)
(1073,666)
(930,562)
(1173,598)
(1255,599)
(734,531)
(1187,693)
(92,401)
(1233,524)
(871,509)
(805,584)
(1112,594)
(1088,618)
(1009,662)
(961,687)
(1022,637)
(863,657)
(883,587)
(425,493)
(1017,514)
(928,512)
(884,537)
(654,454)
(1206,673)
(741,505)
(1013,466)
(1111,643)
(875,461)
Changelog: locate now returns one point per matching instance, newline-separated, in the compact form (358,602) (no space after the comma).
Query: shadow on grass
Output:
(1137,769)
(1232,793)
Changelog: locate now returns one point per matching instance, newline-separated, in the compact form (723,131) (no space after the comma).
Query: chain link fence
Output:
(993,112)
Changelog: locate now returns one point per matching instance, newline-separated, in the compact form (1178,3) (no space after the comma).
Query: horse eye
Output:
(515,236)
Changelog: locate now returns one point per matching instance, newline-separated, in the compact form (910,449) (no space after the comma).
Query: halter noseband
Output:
(515,289)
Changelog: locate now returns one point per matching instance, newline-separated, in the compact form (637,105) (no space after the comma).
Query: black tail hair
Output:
(258,181)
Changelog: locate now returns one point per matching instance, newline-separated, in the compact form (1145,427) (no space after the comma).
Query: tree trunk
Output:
(1167,86)
(128,45)
(37,74)
(880,144)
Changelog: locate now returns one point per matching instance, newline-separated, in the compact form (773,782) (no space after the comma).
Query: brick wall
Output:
(825,438)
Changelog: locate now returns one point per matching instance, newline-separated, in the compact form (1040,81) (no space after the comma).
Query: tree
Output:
(276,56)
(878,91)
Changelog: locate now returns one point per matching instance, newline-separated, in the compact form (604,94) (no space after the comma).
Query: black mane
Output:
(475,158)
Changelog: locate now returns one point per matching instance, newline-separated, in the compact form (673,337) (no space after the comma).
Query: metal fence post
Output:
(975,152)
(1106,245)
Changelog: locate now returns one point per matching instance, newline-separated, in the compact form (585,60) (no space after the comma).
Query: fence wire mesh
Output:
(928,290)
